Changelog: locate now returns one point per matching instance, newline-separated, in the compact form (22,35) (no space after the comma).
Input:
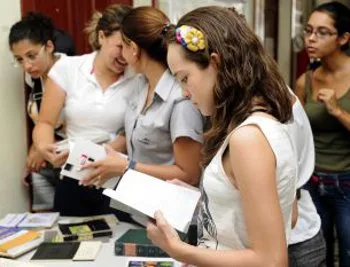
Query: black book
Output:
(85,230)
(56,251)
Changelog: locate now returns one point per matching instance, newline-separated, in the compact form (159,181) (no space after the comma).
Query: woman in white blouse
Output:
(92,90)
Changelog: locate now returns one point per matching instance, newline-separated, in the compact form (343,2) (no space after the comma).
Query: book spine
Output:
(139,250)
(88,236)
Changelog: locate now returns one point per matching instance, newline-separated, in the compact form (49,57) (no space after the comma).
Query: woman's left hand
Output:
(163,235)
(328,97)
(102,170)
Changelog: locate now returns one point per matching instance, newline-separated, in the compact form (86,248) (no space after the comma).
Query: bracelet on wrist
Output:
(130,165)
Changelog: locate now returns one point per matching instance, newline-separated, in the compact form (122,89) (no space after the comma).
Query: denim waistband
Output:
(332,175)
(342,178)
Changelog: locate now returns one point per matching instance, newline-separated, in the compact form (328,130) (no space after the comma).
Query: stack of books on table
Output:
(75,238)
(16,236)
(16,241)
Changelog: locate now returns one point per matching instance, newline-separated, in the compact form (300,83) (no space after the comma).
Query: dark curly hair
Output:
(35,27)
(340,15)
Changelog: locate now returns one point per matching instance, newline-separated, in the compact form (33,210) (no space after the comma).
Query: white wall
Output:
(284,50)
(13,196)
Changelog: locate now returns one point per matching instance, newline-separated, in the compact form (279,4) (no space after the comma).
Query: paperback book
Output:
(15,241)
(30,220)
(77,251)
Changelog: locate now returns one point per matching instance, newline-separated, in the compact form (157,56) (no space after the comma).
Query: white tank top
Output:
(221,219)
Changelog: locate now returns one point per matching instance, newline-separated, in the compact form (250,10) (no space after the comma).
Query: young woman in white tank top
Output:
(249,183)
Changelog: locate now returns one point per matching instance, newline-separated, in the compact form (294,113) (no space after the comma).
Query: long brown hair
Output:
(147,26)
(247,75)
(108,21)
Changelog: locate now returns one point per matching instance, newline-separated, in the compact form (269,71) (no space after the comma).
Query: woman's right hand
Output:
(49,152)
(35,161)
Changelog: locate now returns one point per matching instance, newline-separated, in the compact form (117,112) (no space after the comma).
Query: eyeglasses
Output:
(319,33)
(30,58)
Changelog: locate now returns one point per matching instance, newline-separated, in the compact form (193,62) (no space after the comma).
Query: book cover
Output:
(85,230)
(40,219)
(8,231)
(56,251)
(19,243)
(76,251)
(150,263)
(136,243)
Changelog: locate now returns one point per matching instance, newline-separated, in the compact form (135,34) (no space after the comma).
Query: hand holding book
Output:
(87,160)
(162,234)
(114,164)
(142,194)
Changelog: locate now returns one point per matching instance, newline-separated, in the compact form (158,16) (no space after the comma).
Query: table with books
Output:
(104,255)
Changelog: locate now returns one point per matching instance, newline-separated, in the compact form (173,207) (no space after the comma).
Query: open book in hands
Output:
(141,193)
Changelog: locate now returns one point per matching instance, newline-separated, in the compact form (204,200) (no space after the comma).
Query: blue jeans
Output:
(331,195)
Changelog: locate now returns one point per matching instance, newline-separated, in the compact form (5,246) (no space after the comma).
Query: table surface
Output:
(105,257)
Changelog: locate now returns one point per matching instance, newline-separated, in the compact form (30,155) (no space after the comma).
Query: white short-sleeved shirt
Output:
(221,218)
(308,222)
(90,112)
(151,133)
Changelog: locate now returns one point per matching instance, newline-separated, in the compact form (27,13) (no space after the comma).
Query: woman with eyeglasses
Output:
(32,43)
(325,92)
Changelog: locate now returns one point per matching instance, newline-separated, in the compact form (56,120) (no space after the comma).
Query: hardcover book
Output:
(136,243)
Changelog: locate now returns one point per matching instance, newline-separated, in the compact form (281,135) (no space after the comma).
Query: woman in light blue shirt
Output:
(163,129)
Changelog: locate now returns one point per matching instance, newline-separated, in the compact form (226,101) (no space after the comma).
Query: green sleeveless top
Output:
(332,139)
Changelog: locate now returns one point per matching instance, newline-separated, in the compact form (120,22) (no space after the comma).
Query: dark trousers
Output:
(331,195)
(310,253)
(71,199)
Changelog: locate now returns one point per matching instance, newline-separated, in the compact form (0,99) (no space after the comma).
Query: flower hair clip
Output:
(190,38)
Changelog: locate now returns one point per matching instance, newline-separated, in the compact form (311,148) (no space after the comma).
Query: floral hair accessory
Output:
(190,37)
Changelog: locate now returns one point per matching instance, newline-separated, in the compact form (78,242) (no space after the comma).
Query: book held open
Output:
(141,193)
